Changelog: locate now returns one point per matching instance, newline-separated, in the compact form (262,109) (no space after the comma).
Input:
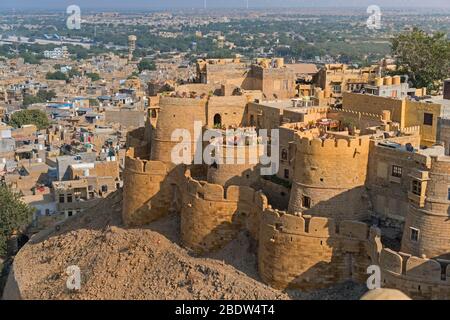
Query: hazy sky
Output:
(157,4)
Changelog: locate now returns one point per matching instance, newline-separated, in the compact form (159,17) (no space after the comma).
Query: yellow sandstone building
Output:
(346,175)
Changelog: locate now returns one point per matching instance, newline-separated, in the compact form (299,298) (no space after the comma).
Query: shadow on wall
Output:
(419,278)
(212,216)
(153,193)
(248,177)
(352,204)
(311,253)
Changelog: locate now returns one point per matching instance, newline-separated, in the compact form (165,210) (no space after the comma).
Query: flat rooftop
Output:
(445,111)
(285,105)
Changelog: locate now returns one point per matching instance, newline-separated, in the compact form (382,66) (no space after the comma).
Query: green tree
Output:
(31,58)
(424,58)
(93,76)
(14,215)
(29,99)
(57,75)
(41,97)
(146,64)
(134,75)
(73,73)
(46,95)
(24,117)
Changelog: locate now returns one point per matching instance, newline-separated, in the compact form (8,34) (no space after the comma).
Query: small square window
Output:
(414,234)
(284,154)
(396,171)
(417,187)
(286,173)
(337,88)
(61,198)
(69,198)
(104,188)
(428,119)
(306,202)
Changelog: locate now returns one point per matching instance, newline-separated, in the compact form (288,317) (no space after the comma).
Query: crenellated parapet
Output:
(212,216)
(150,190)
(329,177)
(309,253)
(176,114)
(412,130)
(339,144)
(419,278)
(376,116)
(317,110)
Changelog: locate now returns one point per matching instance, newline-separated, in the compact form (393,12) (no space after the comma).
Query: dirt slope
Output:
(119,263)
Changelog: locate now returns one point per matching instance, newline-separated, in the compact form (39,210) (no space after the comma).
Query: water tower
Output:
(131,46)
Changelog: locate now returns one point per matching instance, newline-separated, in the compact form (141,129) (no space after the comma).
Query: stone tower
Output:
(239,164)
(427,224)
(176,113)
(329,178)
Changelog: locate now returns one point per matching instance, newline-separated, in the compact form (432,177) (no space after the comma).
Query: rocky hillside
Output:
(141,263)
(119,263)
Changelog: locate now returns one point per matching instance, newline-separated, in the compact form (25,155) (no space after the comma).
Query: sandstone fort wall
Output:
(419,278)
(212,216)
(150,190)
(311,252)
(175,113)
(137,140)
(231,109)
(239,165)
(331,173)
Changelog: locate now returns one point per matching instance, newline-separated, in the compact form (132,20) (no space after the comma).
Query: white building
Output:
(57,53)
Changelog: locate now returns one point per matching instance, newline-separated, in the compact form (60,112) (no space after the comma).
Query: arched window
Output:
(217,120)
(252,120)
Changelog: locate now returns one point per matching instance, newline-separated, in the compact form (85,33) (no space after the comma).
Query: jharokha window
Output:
(396,171)
(417,187)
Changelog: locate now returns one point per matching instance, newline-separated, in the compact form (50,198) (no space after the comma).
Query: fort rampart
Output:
(419,278)
(312,252)
(176,113)
(151,189)
(212,216)
(329,177)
